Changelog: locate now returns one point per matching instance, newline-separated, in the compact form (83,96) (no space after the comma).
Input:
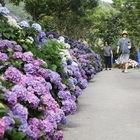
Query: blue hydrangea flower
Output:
(43,41)
(9,122)
(23,24)
(37,27)
(4,11)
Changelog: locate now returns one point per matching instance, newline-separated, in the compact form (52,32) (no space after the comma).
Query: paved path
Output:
(108,109)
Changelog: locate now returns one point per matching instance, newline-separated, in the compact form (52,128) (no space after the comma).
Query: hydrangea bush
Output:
(27,95)
(87,59)
(42,75)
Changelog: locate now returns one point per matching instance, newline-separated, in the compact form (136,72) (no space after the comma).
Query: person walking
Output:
(107,55)
(124,46)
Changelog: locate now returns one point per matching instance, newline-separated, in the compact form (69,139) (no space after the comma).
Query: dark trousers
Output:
(107,61)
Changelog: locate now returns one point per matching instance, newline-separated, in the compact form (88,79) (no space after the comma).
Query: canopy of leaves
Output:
(64,16)
(130,12)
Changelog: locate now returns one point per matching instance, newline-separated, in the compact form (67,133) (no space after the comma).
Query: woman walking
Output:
(107,55)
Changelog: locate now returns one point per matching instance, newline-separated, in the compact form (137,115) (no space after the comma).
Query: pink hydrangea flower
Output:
(2,128)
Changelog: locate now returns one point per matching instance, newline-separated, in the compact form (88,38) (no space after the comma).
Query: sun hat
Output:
(124,32)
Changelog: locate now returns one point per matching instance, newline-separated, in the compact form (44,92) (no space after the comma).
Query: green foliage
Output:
(6,30)
(15,134)
(52,49)
(6,84)
(62,16)
(3,109)
(130,17)
(48,22)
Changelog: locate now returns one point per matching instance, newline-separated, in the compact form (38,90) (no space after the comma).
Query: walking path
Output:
(108,109)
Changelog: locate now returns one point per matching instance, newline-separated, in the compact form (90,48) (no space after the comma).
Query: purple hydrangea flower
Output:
(33,100)
(49,86)
(63,120)
(17,55)
(59,115)
(71,83)
(23,127)
(78,91)
(19,111)
(46,126)
(49,101)
(64,95)
(13,74)
(83,83)
(10,97)
(68,106)
(58,136)
(50,116)
(29,68)
(54,77)
(3,56)
(18,48)
(41,35)
(27,56)
(62,87)
(43,41)
(9,122)
(50,36)
(9,44)
(33,132)
(35,122)
(2,43)
(20,91)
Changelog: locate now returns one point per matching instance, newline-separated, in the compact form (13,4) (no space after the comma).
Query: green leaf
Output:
(44,65)
(6,35)
(54,67)
(25,47)
(15,135)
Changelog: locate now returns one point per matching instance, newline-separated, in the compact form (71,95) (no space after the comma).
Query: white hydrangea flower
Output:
(12,22)
(62,54)
(29,40)
(61,39)
(74,64)
(58,41)
(66,53)
(67,46)
(64,58)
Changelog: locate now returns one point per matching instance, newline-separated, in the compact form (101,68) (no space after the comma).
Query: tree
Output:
(67,14)
(131,18)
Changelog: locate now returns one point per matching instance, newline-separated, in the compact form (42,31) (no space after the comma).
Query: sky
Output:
(107,1)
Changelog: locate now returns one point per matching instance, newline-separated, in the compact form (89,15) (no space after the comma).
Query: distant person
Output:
(123,48)
(107,55)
